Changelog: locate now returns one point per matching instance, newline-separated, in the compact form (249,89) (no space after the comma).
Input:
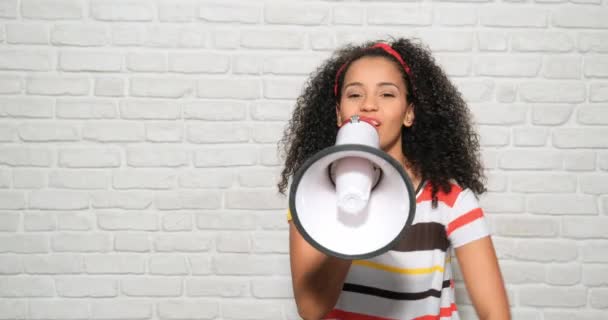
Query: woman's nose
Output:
(369,104)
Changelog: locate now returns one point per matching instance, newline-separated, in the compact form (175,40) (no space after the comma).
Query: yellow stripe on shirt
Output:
(387,268)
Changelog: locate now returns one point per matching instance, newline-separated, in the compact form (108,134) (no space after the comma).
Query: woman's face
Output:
(374,87)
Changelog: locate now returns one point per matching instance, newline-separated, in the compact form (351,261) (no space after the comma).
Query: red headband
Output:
(388,49)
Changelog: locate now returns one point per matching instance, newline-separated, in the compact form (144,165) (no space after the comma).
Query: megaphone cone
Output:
(352,200)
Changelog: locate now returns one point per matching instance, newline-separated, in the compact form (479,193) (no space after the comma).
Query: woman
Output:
(424,124)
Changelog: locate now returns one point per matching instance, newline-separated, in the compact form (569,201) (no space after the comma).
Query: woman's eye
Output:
(354,95)
(390,95)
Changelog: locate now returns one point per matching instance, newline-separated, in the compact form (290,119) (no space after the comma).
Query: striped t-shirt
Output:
(414,280)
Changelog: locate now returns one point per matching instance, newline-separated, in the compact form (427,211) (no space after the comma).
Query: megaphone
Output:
(352,200)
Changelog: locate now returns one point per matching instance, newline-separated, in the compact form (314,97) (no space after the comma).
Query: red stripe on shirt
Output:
(345,315)
(464,220)
(443,312)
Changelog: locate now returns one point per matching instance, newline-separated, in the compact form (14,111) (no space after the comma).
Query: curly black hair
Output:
(441,145)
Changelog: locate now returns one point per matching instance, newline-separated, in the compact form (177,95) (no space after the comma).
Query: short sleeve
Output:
(467,221)
(288,215)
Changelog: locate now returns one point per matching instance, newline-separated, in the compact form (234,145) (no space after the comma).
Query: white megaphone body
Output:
(352,200)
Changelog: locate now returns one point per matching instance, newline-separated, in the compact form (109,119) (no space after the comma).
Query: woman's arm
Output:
(483,279)
(317,278)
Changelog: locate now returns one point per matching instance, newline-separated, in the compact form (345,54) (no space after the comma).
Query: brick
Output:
(149,110)
(594,184)
(25,156)
(8,132)
(292,14)
(475,90)
(114,264)
(598,92)
(90,61)
(254,199)
(228,12)
(559,91)
(251,310)
(76,242)
(26,107)
(492,40)
(580,17)
(25,59)
(89,157)
(79,179)
(523,272)
(207,179)
(167,265)
(598,298)
(530,137)
(29,179)
(271,39)
(27,33)
(498,202)
(224,88)
(270,242)
(189,200)
(10,264)
(113,309)
(595,275)
(593,41)
(45,132)
(542,41)
(10,308)
(85,109)
(594,251)
(143,179)
(234,242)
(393,15)
(456,16)
(530,159)
(492,136)
(270,111)
(553,297)
(200,265)
(9,9)
(128,35)
(505,16)
(258,177)
(562,67)
(152,287)
(10,84)
(208,133)
(86,287)
(13,287)
(157,157)
(179,309)
(55,264)
(226,221)
(132,242)
(121,200)
(147,61)
(215,110)
(349,15)
(225,156)
(127,221)
(272,288)
(198,63)
(226,39)
(543,182)
(81,35)
(580,137)
(285,88)
(596,66)
(525,227)
(564,274)
(182,243)
(177,11)
(74,222)
(565,204)
(448,41)
(109,87)
(225,264)
(321,41)
(268,133)
(551,114)
(291,65)
(455,65)
(546,251)
(39,222)
(12,200)
(226,287)
(584,227)
(563,314)
(269,156)
(121,11)
(59,200)
(52,10)
(164,132)
(177,222)
(9,221)
(58,85)
(160,87)
(493,114)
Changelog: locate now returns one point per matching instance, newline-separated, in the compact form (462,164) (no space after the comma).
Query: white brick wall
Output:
(138,163)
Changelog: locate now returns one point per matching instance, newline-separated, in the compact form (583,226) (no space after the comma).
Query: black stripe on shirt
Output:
(394,295)
(423,236)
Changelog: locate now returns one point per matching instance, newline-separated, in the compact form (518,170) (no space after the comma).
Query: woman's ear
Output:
(409,118)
